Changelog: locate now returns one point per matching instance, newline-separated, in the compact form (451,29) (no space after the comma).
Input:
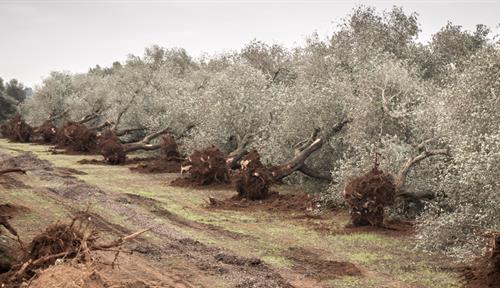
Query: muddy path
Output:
(194,245)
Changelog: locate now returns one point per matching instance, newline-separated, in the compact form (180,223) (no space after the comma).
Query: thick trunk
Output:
(298,161)
(403,172)
(144,144)
(327,176)
(233,158)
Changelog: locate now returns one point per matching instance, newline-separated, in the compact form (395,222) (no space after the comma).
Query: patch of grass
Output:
(277,261)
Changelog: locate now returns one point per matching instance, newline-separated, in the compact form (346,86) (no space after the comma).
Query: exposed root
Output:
(111,148)
(45,134)
(68,241)
(367,197)
(253,179)
(76,137)
(169,161)
(17,130)
(204,168)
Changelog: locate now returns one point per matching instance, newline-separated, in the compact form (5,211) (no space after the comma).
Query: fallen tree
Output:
(17,130)
(76,137)
(303,151)
(76,240)
(253,179)
(369,194)
(204,167)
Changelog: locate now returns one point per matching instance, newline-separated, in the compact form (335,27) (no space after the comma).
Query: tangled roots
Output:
(17,130)
(111,148)
(367,196)
(46,133)
(169,149)
(206,167)
(253,179)
(76,137)
(494,269)
(56,240)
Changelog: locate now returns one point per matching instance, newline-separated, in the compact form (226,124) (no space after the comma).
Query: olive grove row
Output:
(431,112)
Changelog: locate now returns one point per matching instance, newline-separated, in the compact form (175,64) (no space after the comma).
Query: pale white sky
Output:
(46,35)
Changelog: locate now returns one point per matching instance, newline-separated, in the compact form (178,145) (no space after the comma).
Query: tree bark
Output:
(403,172)
(327,176)
(297,162)
(233,158)
(144,144)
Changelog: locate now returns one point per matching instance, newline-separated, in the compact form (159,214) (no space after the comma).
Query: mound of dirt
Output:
(367,197)
(486,272)
(77,138)
(45,134)
(79,275)
(311,265)
(253,179)
(17,130)
(169,161)
(169,150)
(204,168)
(275,202)
(111,148)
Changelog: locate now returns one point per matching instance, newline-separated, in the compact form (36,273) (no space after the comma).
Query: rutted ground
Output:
(193,245)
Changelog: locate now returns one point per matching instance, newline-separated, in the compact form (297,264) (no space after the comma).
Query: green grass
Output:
(390,261)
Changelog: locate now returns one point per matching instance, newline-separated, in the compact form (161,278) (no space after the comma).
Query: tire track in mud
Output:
(237,271)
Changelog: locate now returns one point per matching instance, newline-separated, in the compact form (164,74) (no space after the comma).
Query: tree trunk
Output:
(298,162)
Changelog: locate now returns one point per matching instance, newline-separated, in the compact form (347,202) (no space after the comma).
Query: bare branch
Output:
(298,161)
(403,172)
(316,174)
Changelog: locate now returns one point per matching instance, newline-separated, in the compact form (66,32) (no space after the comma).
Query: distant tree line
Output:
(12,93)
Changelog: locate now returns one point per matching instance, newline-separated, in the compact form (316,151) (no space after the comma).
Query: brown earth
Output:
(367,197)
(485,272)
(45,134)
(17,130)
(310,264)
(77,138)
(204,168)
(253,179)
(111,148)
(194,253)
(275,202)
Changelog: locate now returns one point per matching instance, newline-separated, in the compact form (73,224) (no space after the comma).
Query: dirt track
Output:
(194,245)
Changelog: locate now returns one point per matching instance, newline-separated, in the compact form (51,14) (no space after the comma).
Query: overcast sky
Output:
(46,35)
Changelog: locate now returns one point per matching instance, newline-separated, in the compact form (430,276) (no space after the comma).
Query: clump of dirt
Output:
(204,167)
(275,202)
(17,130)
(77,138)
(253,179)
(310,264)
(111,148)
(45,134)
(169,161)
(367,197)
(169,150)
(79,275)
(486,272)
(237,260)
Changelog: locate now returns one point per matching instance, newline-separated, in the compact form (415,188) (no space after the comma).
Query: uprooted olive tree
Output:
(396,91)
